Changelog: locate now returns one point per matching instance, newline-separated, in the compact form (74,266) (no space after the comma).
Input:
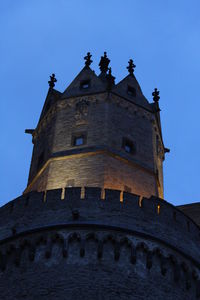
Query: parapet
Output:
(153,218)
(133,244)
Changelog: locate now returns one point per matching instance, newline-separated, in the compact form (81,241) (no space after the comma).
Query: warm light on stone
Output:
(90,223)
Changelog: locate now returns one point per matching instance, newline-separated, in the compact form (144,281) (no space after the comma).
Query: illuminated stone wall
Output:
(107,171)
(105,121)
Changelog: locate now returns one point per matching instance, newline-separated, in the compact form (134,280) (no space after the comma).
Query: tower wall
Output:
(105,121)
(43,143)
(78,232)
(92,248)
(108,171)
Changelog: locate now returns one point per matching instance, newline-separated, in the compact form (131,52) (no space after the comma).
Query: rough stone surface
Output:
(118,247)
(192,210)
(104,119)
(95,239)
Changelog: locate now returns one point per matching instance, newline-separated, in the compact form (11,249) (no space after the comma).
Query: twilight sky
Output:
(39,37)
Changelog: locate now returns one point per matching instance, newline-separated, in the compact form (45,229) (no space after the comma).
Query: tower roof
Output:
(86,82)
(105,125)
(130,89)
(52,97)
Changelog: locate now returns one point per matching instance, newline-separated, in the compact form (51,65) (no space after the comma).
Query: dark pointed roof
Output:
(52,96)
(126,87)
(96,85)
(87,82)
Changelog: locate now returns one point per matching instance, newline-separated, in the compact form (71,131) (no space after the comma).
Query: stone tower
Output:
(77,232)
(98,134)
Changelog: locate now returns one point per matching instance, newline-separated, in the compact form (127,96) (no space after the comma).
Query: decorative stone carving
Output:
(52,81)
(81,111)
(88,60)
(131,67)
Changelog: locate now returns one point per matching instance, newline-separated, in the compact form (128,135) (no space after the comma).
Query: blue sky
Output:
(38,37)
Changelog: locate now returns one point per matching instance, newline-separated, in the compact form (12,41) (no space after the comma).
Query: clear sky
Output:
(39,37)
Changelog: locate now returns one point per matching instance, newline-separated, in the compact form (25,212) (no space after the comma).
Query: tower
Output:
(102,139)
(98,134)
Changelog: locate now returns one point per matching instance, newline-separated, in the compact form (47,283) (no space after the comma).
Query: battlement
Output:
(96,241)
(153,218)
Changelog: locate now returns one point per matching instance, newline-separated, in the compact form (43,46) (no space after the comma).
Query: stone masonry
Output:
(62,246)
(92,222)
(106,120)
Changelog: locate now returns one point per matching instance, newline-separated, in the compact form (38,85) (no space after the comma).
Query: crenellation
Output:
(93,193)
(128,198)
(127,214)
(112,195)
(73,193)
(53,196)
(34,201)
(92,223)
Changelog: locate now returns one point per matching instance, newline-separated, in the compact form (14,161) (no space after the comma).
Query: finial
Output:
(155,95)
(104,62)
(52,81)
(131,67)
(110,72)
(88,60)
(110,78)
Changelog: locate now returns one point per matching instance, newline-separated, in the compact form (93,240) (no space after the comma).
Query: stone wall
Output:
(95,244)
(108,171)
(192,210)
(105,121)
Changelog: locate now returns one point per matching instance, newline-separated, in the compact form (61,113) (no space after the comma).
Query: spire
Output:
(52,81)
(88,60)
(155,95)
(131,67)
(104,62)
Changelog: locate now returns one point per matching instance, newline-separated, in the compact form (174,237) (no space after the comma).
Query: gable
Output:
(129,88)
(86,82)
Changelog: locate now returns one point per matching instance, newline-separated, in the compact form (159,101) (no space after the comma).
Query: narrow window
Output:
(128,146)
(79,139)
(131,91)
(85,84)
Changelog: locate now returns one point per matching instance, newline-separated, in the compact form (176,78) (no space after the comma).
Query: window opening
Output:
(131,91)
(79,139)
(85,84)
(128,146)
